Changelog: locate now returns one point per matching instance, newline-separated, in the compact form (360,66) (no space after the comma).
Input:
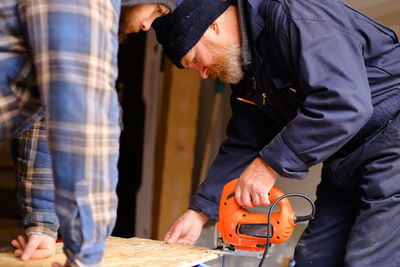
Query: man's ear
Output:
(214,27)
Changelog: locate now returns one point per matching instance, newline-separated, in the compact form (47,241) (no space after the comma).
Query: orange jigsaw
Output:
(242,230)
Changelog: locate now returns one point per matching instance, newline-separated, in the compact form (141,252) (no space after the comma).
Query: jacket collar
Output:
(256,21)
(251,25)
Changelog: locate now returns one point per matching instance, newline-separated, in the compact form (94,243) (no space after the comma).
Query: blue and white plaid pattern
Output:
(58,59)
(35,181)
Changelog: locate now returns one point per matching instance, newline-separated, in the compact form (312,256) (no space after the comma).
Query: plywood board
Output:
(129,252)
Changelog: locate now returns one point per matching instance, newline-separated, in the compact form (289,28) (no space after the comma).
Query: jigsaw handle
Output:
(229,192)
(231,215)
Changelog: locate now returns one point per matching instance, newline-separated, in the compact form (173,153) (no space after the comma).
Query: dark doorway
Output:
(129,86)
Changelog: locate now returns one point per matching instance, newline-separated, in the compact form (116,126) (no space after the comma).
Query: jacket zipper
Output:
(265,98)
(264,95)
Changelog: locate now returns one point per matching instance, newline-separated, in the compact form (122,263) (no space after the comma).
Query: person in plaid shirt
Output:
(58,62)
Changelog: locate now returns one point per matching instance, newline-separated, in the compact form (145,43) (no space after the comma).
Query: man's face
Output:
(215,60)
(139,17)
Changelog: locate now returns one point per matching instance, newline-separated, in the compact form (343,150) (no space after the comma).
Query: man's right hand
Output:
(187,228)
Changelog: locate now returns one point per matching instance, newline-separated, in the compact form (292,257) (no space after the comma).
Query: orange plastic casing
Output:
(232,216)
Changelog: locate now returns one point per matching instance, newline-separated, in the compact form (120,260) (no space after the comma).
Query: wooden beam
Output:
(152,93)
(5,156)
(175,147)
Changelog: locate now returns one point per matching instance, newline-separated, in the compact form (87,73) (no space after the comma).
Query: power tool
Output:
(244,233)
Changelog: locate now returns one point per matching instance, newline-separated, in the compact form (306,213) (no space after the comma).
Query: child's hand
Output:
(38,247)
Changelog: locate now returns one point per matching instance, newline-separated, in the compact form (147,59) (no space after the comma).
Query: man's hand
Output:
(254,184)
(38,247)
(187,228)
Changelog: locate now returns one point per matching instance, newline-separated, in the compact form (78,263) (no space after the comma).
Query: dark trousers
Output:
(357,220)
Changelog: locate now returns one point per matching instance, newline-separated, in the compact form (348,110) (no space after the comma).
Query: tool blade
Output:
(237,252)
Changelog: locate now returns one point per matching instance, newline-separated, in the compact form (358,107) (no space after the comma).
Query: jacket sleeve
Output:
(74,46)
(329,70)
(248,132)
(35,186)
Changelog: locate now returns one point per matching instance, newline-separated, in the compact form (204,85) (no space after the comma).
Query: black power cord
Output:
(296,219)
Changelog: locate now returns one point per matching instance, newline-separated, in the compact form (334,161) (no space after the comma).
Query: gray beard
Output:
(229,70)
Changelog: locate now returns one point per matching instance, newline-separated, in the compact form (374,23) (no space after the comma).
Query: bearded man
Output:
(312,81)
(58,98)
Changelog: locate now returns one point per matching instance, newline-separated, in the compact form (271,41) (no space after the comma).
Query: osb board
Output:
(128,252)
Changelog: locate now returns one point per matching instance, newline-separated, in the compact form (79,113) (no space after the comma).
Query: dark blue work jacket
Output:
(319,68)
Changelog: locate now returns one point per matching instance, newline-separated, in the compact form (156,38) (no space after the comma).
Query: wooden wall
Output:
(175,147)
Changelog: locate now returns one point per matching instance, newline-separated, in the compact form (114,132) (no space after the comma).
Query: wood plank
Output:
(5,156)
(129,252)
(210,134)
(6,163)
(376,8)
(152,92)
(175,147)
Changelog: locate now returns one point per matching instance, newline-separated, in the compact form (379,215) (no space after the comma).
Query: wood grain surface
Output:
(128,252)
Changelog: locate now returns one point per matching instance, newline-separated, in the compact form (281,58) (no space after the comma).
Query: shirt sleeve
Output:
(35,187)
(74,46)
(248,132)
(328,66)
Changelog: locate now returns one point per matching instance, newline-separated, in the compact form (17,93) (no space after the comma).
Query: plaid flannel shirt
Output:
(35,181)
(58,60)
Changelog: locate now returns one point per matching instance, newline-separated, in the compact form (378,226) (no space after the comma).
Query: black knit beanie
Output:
(180,30)
(171,4)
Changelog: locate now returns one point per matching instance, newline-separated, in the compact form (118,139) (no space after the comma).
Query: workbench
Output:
(128,252)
